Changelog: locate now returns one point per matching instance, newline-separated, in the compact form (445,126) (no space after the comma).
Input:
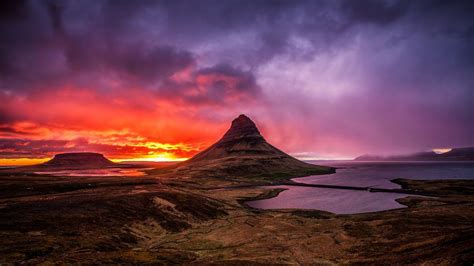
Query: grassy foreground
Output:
(170,218)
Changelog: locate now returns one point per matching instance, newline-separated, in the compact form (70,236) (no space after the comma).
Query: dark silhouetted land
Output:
(456,154)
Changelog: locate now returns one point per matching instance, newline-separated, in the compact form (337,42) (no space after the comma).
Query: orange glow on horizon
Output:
(151,159)
(145,128)
(21,161)
(165,157)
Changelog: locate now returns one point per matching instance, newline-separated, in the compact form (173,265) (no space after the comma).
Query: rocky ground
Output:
(167,218)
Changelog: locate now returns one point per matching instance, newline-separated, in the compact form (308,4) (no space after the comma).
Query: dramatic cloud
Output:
(321,78)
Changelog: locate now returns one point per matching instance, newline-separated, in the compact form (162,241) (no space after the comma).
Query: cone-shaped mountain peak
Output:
(241,127)
(243,151)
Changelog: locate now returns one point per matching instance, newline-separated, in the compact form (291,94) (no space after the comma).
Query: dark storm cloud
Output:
(143,64)
(216,85)
(30,148)
(244,81)
(40,50)
(375,11)
(405,67)
(273,24)
(51,40)
(106,47)
(12,9)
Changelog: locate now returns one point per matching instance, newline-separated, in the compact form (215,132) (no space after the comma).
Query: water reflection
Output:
(340,201)
(362,174)
(97,172)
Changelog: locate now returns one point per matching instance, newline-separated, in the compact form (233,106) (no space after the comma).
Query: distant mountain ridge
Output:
(456,154)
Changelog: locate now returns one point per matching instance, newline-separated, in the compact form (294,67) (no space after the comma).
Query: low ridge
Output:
(243,151)
(455,154)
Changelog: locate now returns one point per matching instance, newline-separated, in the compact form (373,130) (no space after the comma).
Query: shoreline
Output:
(180,221)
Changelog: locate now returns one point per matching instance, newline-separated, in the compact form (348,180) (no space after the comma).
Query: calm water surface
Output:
(97,172)
(362,174)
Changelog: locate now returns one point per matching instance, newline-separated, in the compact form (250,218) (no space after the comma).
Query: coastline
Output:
(161,218)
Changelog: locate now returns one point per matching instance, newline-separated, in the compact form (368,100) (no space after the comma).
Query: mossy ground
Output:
(170,219)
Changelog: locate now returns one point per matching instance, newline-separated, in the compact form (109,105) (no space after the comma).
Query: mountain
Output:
(244,152)
(462,154)
(456,154)
(79,160)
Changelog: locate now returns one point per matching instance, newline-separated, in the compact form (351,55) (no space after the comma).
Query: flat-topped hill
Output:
(243,151)
(78,160)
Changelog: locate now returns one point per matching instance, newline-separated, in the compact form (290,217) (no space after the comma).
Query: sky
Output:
(162,80)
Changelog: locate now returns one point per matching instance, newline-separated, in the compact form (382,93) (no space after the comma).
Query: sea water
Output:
(361,174)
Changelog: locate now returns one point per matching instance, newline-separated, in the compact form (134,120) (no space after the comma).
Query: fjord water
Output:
(361,174)
(379,174)
(97,172)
